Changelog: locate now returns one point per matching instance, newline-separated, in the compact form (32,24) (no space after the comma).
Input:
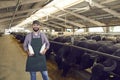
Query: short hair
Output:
(36,22)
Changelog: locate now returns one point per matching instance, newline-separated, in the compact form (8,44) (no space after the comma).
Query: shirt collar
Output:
(38,33)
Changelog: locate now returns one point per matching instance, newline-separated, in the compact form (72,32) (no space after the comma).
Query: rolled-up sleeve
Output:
(26,41)
(45,40)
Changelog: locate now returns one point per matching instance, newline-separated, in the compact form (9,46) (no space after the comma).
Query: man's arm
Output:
(25,45)
(45,40)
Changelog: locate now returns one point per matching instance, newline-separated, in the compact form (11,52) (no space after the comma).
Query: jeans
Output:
(44,75)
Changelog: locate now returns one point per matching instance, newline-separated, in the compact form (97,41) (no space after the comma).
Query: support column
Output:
(106,29)
(72,37)
(73,30)
(63,30)
(86,29)
(51,31)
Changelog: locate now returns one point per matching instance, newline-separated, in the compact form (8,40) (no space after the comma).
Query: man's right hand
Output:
(30,54)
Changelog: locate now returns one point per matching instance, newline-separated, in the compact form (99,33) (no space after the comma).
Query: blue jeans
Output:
(44,75)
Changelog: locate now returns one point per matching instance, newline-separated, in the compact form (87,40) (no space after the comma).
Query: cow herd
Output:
(67,57)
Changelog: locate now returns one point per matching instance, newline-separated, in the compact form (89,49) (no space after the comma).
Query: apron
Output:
(38,61)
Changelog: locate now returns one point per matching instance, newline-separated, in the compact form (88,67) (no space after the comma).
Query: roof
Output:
(99,13)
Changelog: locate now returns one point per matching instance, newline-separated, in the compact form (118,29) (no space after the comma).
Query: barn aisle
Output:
(13,59)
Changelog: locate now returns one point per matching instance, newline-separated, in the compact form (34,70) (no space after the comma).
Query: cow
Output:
(102,71)
(54,47)
(76,56)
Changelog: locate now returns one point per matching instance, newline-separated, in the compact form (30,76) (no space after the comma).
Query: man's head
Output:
(36,25)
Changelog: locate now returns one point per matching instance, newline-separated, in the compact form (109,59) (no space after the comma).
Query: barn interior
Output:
(84,38)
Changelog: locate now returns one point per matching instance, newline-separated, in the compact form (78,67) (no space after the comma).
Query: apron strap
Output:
(31,35)
(38,35)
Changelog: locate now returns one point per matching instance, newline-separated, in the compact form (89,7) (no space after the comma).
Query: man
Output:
(37,61)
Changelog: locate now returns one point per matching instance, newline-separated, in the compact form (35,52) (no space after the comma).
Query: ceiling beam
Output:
(40,4)
(16,9)
(65,26)
(33,1)
(44,25)
(107,1)
(18,12)
(104,8)
(51,25)
(57,25)
(84,18)
(103,2)
(67,21)
(8,19)
(37,5)
(6,4)
(6,23)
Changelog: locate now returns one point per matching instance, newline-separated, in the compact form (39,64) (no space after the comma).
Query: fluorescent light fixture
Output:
(34,17)
(116,29)
(96,29)
(90,2)
(50,9)
(79,30)
(27,31)
(39,14)
(53,30)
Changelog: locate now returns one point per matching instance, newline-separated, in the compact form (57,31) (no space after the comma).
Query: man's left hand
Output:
(43,52)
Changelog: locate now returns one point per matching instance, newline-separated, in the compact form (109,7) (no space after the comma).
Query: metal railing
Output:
(89,50)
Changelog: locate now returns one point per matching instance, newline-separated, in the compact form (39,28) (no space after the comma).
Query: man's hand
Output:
(44,51)
(30,54)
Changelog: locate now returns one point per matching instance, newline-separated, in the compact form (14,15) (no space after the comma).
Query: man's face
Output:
(35,27)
